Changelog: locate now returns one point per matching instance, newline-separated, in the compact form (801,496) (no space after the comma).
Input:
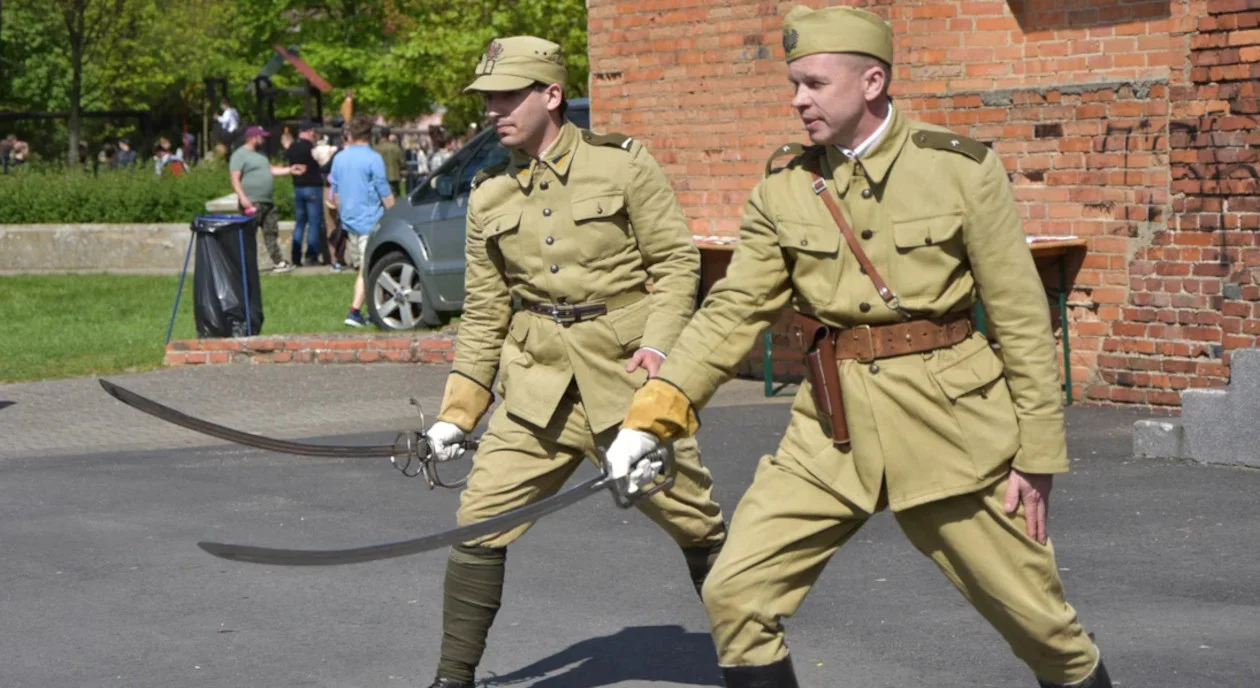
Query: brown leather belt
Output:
(866,343)
(567,314)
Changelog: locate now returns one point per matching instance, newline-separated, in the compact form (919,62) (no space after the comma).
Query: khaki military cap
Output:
(836,30)
(516,62)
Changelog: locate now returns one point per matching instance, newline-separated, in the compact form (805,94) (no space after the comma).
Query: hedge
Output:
(50,195)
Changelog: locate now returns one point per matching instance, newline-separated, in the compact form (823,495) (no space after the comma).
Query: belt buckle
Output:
(564,315)
(870,343)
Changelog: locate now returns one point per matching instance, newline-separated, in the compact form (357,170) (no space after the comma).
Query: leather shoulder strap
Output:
(814,165)
(491,171)
(614,140)
(947,141)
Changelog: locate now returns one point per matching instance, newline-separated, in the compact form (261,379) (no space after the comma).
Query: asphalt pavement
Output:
(102,583)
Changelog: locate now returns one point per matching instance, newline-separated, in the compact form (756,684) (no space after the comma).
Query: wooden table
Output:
(715,257)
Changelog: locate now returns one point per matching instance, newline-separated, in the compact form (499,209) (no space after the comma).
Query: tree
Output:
(402,57)
(91,27)
(441,41)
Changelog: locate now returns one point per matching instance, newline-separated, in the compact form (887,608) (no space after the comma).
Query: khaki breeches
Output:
(518,464)
(788,525)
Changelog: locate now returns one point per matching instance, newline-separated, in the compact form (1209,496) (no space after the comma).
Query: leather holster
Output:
(824,376)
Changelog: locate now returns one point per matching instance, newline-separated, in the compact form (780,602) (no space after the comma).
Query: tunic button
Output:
(864,307)
(867,234)
(874,369)
(866,193)
(555,269)
(550,240)
(928,241)
(562,300)
(544,185)
(546,212)
(804,242)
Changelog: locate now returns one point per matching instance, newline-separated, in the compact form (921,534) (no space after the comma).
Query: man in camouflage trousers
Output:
(882,236)
(572,227)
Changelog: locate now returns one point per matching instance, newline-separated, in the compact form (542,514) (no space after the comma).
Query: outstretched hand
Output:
(1033,491)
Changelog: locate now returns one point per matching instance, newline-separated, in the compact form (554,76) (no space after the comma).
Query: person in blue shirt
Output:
(362,195)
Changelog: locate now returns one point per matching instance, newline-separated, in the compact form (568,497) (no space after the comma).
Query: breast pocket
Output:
(602,224)
(813,255)
(930,250)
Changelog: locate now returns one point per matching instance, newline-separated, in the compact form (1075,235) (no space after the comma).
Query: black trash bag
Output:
(227,248)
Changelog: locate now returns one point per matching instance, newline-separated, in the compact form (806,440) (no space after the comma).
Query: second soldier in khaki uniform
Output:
(906,408)
(571,227)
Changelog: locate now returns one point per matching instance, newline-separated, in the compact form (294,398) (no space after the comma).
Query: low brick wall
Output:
(431,348)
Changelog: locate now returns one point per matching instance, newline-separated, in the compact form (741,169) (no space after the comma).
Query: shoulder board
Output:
(615,140)
(795,150)
(944,140)
(489,172)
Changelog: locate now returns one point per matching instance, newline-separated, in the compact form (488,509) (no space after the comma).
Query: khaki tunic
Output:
(537,233)
(943,231)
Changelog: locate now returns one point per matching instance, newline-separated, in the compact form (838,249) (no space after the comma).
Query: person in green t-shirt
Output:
(252,180)
(394,158)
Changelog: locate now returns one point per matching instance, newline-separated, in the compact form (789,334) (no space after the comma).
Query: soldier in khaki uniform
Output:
(571,227)
(959,443)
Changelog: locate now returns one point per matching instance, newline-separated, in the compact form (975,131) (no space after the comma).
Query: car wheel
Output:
(396,298)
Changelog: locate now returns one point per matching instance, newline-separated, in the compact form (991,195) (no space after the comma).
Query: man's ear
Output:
(555,96)
(874,82)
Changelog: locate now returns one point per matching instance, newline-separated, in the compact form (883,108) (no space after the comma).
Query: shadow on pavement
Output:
(668,654)
(6,404)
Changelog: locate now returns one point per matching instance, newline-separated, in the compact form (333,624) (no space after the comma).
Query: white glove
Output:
(445,438)
(625,460)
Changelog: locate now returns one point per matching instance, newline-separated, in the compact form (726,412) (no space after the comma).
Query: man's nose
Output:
(800,100)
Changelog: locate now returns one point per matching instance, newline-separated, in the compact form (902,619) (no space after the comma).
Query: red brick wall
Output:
(1133,125)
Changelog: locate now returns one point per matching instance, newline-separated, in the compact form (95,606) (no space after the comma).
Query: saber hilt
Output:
(664,478)
(416,450)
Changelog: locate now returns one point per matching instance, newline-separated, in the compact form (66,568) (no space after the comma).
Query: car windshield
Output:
(481,152)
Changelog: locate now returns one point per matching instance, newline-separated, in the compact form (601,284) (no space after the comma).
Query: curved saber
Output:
(205,427)
(446,538)
(498,524)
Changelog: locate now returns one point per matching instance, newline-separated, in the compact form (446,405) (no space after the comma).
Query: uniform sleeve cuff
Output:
(654,350)
(663,410)
(464,401)
(1042,446)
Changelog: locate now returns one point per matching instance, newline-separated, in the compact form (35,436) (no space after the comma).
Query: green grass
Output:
(54,326)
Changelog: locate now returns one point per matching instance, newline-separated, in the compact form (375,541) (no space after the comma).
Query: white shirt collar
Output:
(865,147)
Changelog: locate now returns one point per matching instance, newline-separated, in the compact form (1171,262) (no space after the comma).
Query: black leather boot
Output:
(777,675)
(450,683)
(700,562)
(1098,679)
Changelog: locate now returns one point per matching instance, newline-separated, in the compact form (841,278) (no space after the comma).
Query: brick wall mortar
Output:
(1132,125)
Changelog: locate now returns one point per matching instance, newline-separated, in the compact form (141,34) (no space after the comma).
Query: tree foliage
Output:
(402,58)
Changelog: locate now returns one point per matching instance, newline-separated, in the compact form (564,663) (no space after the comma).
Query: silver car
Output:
(415,255)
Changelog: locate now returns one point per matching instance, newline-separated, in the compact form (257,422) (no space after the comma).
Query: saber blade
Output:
(205,427)
(446,538)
